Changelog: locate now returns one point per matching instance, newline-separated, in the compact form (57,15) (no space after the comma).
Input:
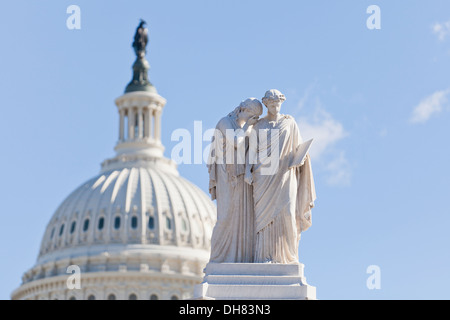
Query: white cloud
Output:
(324,129)
(306,94)
(442,30)
(326,154)
(429,106)
(383,133)
(339,172)
(327,132)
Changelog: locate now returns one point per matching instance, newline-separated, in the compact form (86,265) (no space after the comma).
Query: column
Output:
(131,121)
(121,124)
(157,125)
(147,122)
(140,123)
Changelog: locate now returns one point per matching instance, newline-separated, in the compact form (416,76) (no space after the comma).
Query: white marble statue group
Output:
(260,175)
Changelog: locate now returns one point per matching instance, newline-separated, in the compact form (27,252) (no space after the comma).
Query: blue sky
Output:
(376,102)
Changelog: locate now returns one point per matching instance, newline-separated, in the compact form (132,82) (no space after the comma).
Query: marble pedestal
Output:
(254,281)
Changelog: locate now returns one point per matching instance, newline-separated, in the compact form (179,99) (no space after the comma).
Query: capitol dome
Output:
(137,230)
(130,206)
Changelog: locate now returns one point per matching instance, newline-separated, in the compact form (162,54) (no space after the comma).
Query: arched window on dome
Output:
(168,223)
(134,222)
(101,223)
(52,233)
(112,296)
(174,297)
(86,225)
(151,222)
(184,234)
(61,230)
(72,298)
(184,224)
(132,297)
(72,227)
(91,297)
(117,222)
(154,297)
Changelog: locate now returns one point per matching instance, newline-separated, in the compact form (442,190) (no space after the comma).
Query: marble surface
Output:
(254,281)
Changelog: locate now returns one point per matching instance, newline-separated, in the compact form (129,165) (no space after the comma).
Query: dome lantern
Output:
(140,110)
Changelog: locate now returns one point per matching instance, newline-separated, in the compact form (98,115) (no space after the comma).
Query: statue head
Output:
(273,100)
(142,23)
(248,108)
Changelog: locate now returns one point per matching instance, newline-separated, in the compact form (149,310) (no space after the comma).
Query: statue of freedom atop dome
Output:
(140,80)
(140,40)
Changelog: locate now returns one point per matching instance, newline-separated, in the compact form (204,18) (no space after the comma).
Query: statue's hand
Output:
(252,120)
